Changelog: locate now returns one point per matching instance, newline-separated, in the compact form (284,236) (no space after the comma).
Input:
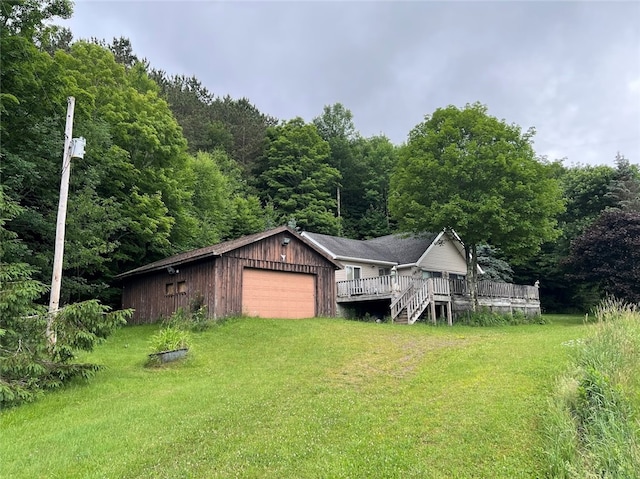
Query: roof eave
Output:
(144,270)
(365,260)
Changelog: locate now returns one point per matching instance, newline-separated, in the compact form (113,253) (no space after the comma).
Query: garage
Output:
(278,294)
(271,274)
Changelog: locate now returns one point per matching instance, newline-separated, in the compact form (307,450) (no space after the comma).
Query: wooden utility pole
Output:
(60,225)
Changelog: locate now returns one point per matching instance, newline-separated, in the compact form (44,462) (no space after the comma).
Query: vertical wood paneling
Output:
(219,280)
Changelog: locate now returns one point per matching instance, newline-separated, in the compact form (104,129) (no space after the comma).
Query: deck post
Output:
(432,301)
(449,315)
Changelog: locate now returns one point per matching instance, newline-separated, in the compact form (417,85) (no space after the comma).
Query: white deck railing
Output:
(385,285)
(494,289)
(372,286)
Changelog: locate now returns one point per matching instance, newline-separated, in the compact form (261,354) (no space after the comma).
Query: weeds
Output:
(486,317)
(592,427)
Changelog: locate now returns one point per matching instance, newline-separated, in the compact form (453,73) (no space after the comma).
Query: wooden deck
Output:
(409,297)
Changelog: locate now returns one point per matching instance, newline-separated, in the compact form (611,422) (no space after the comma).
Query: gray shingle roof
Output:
(391,248)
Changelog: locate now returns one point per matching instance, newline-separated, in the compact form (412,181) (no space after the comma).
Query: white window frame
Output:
(350,271)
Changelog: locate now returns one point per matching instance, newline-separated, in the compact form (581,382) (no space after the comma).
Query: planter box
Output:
(167,356)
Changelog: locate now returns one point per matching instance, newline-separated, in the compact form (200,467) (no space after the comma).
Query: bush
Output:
(196,319)
(29,365)
(485,317)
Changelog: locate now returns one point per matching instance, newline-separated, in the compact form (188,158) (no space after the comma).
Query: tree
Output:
(607,255)
(336,122)
(28,365)
(297,179)
(469,171)
(27,18)
(366,188)
(495,268)
(585,189)
(624,190)
(335,126)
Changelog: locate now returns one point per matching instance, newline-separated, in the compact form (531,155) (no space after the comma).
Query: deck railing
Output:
(441,287)
(372,286)
(385,285)
(494,289)
(400,302)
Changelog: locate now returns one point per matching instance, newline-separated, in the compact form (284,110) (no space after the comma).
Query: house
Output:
(408,277)
(428,255)
(276,273)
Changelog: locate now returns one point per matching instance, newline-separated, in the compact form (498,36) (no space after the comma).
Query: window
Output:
(431,274)
(175,288)
(353,272)
(384,271)
(456,276)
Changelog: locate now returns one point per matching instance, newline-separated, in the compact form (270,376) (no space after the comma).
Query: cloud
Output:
(570,69)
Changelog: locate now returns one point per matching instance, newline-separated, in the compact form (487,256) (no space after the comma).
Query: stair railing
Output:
(399,303)
(419,300)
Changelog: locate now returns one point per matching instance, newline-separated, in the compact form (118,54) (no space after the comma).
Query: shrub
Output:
(196,319)
(485,317)
(28,363)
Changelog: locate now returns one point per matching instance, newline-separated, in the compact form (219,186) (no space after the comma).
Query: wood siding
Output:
(444,257)
(366,270)
(148,296)
(219,280)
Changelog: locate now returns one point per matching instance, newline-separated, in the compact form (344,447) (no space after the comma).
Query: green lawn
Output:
(302,398)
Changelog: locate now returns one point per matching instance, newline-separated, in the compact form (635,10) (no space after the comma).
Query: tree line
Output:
(170,166)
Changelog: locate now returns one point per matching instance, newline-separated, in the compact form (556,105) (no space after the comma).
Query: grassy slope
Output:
(312,398)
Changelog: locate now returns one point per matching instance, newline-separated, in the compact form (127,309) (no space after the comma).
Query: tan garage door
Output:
(276,294)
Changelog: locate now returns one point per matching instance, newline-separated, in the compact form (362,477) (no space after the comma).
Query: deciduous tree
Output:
(607,254)
(466,170)
(297,179)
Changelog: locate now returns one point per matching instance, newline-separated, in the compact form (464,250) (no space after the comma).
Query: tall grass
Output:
(485,317)
(593,428)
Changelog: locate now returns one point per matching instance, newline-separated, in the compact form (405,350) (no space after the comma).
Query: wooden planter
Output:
(168,356)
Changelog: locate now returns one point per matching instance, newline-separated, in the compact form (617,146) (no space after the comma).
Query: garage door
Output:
(276,294)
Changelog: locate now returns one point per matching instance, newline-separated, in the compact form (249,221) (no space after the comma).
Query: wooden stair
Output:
(412,301)
(409,305)
(402,317)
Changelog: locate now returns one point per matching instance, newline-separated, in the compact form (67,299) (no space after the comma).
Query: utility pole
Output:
(70,147)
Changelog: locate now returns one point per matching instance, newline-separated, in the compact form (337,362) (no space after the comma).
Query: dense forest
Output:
(171,166)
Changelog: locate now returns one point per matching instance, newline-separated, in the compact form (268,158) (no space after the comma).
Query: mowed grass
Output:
(305,399)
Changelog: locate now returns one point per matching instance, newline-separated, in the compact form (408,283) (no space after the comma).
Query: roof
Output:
(220,249)
(395,248)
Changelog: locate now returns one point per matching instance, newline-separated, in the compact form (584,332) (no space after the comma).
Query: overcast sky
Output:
(569,69)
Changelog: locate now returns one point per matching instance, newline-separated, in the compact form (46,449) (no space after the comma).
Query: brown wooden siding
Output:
(219,280)
(147,293)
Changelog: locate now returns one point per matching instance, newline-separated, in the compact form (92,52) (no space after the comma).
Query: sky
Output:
(571,70)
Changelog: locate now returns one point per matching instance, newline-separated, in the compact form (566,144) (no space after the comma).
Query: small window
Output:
(182,287)
(170,289)
(431,274)
(384,271)
(353,272)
